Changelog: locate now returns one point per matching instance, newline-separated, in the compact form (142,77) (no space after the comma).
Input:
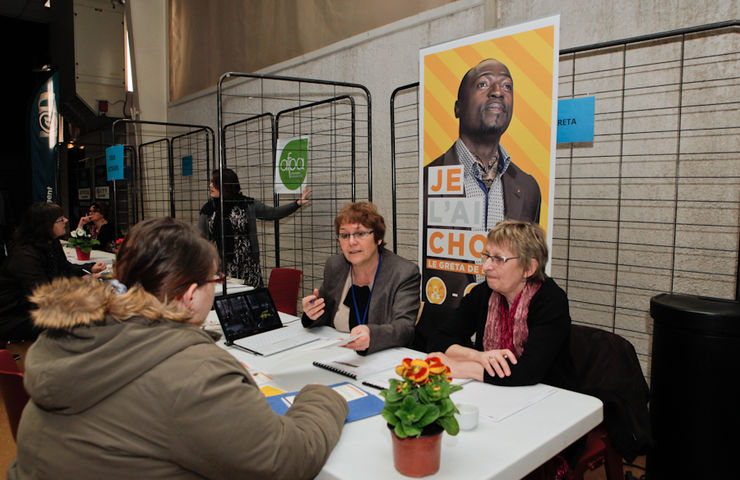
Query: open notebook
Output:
(250,321)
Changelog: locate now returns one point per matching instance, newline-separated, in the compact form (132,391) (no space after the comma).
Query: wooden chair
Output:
(284,284)
(11,386)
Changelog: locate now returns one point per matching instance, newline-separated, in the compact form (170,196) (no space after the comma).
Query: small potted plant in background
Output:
(82,242)
(418,408)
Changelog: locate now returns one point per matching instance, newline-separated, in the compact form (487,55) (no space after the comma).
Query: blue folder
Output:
(359,408)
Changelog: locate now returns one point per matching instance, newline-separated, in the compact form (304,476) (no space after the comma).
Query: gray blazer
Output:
(393,305)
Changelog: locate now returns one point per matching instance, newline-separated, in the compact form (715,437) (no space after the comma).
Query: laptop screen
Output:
(247,313)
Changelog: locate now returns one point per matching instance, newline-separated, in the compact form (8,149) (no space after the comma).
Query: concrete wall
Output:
(387,57)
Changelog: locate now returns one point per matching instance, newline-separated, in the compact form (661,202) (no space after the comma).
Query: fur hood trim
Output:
(67,303)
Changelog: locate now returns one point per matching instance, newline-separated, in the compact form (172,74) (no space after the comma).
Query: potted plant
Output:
(418,408)
(82,242)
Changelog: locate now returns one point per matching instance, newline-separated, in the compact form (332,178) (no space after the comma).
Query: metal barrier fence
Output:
(170,165)
(255,112)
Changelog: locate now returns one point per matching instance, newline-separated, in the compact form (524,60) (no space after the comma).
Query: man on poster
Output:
(495,188)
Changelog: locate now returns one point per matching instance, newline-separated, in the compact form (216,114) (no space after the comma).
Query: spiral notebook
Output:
(360,367)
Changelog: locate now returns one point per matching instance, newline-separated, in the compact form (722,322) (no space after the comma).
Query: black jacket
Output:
(28,266)
(607,368)
(546,356)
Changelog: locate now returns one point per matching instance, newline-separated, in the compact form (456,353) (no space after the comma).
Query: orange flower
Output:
(436,366)
(404,367)
(415,370)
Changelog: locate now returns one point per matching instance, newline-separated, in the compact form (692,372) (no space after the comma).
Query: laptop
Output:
(250,321)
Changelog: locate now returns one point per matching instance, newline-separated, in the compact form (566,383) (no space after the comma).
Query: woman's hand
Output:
(313,305)
(496,362)
(460,368)
(362,343)
(84,221)
(98,267)
(304,197)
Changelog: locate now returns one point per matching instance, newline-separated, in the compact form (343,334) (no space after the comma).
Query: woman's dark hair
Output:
(165,256)
(101,207)
(37,223)
(364,213)
(231,188)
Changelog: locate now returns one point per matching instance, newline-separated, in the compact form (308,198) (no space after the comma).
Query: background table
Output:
(95,256)
(508,449)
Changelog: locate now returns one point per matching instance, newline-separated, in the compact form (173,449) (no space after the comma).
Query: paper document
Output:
(359,367)
(497,403)
(337,342)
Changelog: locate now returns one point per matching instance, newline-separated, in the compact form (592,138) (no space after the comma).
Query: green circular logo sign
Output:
(292,164)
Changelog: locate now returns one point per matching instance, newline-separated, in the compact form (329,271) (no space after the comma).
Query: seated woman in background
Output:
(35,257)
(124,383)
(367,289)
(519,316)
(97,225)
(241,250)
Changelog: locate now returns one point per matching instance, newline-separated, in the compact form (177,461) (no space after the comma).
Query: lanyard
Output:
(363,320)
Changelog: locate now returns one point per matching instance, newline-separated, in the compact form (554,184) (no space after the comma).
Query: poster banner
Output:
(291,165)
(488,123)
(44,132)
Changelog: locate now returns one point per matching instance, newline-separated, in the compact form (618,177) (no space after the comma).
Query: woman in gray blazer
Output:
(367,290)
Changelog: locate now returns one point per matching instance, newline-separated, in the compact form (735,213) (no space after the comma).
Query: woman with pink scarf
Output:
(519,316)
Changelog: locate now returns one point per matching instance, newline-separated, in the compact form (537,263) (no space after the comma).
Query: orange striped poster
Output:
(487,129)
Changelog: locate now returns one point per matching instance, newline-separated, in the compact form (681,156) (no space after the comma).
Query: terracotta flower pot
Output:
(82,256)
(418,456)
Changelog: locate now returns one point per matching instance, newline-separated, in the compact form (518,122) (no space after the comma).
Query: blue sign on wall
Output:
(187,165)
(114,162)
(576,120)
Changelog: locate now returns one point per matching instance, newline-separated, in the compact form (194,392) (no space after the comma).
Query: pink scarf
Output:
(507,327)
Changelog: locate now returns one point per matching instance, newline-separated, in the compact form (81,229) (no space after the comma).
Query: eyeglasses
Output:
(90,212)
(356,235)
(496,259)
(60,220)
(218,278)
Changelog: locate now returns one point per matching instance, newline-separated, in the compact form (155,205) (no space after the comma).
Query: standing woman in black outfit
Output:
(36,257)
(241,250)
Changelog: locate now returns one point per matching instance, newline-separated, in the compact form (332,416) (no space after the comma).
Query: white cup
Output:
(468,416)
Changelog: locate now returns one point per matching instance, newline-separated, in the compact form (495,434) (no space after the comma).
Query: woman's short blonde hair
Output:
(526,240)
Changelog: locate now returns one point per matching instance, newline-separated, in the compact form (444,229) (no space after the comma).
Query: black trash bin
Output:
(695,380)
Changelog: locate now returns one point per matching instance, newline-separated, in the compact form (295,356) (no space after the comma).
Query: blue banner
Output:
(44,129)
(114,162)
(576,120)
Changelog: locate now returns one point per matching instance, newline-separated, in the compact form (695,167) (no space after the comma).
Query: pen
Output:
(87,271)
(348,364)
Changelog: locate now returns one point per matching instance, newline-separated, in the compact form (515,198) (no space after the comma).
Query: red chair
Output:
(11,386)
(283,285)
(597,452)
